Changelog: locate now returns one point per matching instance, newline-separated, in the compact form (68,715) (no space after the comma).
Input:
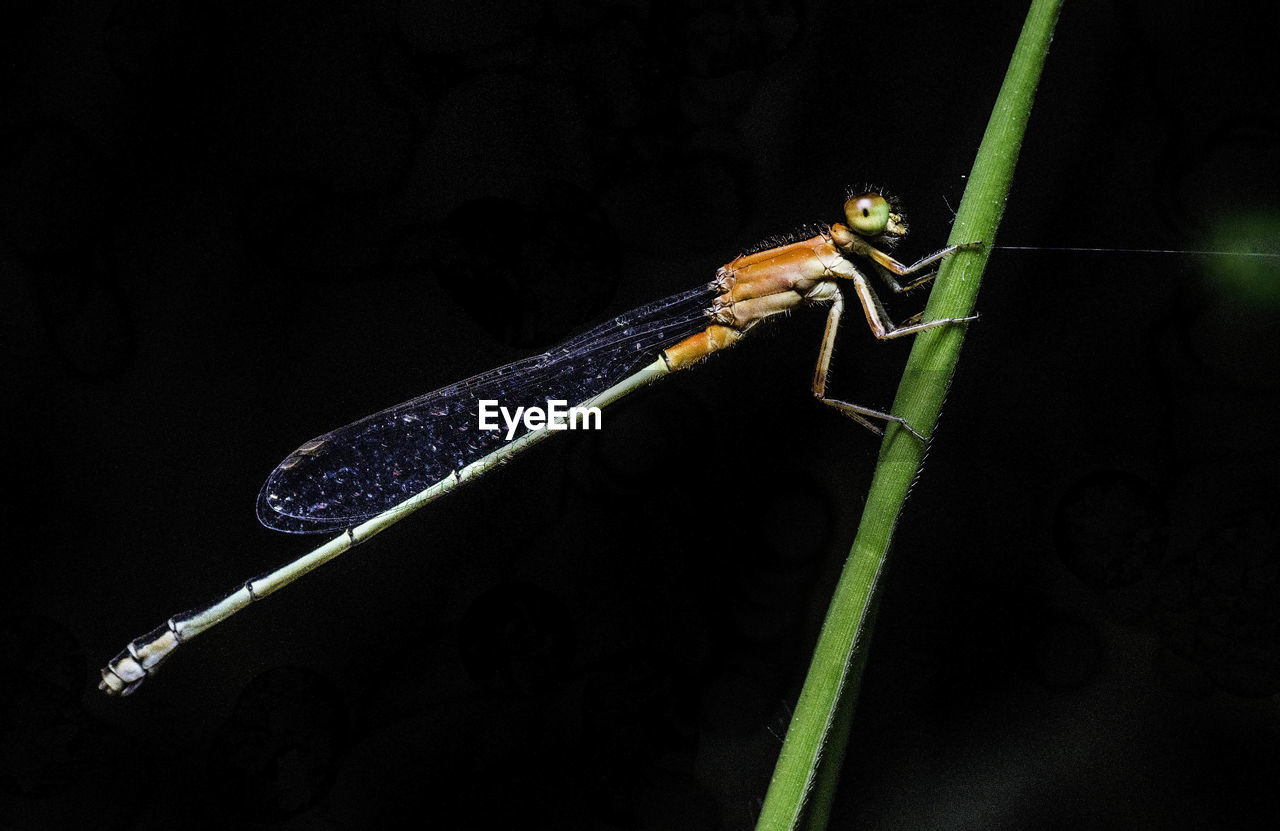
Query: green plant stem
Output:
(809,762)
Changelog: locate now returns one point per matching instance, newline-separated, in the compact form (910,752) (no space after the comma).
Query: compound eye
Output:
(867,214)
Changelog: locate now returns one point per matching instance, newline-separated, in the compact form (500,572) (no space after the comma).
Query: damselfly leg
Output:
(883,328)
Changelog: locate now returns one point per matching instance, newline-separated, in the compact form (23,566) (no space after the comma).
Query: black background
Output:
(230,227)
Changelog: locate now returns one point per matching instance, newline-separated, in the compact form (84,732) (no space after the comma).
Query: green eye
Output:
(867,214)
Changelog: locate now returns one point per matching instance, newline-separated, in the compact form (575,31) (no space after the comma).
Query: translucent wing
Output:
(356,472)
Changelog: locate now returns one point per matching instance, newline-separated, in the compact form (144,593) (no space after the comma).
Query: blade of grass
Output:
(814,746)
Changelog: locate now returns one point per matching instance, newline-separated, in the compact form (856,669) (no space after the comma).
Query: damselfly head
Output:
(871,215)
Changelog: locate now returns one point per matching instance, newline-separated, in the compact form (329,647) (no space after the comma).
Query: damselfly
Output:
(367,476)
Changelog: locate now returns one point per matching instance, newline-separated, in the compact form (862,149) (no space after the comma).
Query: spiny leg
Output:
(878,319)
(853,411)
(887,266)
